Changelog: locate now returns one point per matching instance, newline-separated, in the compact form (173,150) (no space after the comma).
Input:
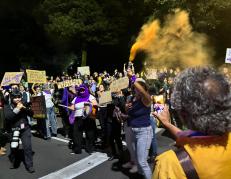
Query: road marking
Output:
(59,139)
(157,130)
(79,167)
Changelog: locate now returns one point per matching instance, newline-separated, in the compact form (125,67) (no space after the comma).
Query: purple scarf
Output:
(66,96)
(82,94)
(47,91)
(81,97)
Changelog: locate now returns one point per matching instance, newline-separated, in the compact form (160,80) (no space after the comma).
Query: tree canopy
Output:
(52,33)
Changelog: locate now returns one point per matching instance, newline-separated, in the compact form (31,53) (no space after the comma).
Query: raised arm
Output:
(145,96)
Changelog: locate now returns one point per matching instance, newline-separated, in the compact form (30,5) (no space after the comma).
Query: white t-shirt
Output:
(48,99)
(80,106)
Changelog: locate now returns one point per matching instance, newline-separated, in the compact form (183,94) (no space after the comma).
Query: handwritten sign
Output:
(67,83)
(228,56)
(84,70)
(35,76)
(119,84)
(11,78)
(39,107)
(105,98)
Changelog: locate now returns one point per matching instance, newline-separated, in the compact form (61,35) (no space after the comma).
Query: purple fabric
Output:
(65,98)
(6,87)
(82,96)
(190,133)
(72,117)
(47,91)
(132,80)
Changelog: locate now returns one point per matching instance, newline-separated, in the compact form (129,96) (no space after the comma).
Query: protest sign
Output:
(228,56)
(39,107)
(119,84)
(67,83)
(11,78)
(84,70)
(35,76)
(105,98)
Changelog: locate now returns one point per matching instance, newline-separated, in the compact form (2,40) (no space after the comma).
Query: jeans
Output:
(130,143)
(51,121)
(143,138)
(154,143)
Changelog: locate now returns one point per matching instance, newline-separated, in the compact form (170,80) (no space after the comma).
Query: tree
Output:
(213,18)
(77,23)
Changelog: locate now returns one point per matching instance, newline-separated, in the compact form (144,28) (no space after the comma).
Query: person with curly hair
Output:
(202,98)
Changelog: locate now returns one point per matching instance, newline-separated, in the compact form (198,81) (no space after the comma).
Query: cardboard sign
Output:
(228,56)
(39,107)
(105,98)
(11,78)
(119,84)
(35,76)
(84,70)
(67,83)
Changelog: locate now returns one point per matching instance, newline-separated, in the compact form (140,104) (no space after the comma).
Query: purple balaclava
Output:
(82,94)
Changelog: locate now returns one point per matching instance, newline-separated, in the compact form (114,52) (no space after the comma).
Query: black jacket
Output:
(16,119)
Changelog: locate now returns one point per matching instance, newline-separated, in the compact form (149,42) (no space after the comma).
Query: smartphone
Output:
(158,107)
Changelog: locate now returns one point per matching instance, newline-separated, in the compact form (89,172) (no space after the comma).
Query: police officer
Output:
(16,114)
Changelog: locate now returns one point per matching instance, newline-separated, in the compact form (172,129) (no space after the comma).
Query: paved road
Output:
(52,159)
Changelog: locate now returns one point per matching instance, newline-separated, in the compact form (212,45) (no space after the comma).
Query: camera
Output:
(15,138)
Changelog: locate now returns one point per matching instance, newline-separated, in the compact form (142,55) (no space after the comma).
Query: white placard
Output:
(84,70)
(228,56)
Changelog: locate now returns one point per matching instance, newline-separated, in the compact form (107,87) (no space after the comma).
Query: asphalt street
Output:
(53,159)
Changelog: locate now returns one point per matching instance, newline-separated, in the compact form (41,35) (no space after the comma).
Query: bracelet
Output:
(133,79)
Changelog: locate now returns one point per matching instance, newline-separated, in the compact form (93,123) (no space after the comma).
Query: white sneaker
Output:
(127,165)
(134,169)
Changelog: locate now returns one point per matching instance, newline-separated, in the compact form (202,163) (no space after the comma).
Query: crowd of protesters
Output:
(131,110)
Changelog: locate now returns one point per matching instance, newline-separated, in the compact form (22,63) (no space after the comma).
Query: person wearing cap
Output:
(139,110)
(16,114)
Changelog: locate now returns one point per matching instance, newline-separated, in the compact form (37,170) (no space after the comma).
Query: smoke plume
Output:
(172,44)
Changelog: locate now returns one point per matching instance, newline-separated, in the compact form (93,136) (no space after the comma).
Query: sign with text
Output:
(67,83)
(105,98)
(84,70)
(119,84)
(35,76)
(11,78)
(228,56)
(39,107)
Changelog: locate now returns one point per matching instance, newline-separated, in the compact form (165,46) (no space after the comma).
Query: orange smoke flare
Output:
(173,44)
(147,35)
